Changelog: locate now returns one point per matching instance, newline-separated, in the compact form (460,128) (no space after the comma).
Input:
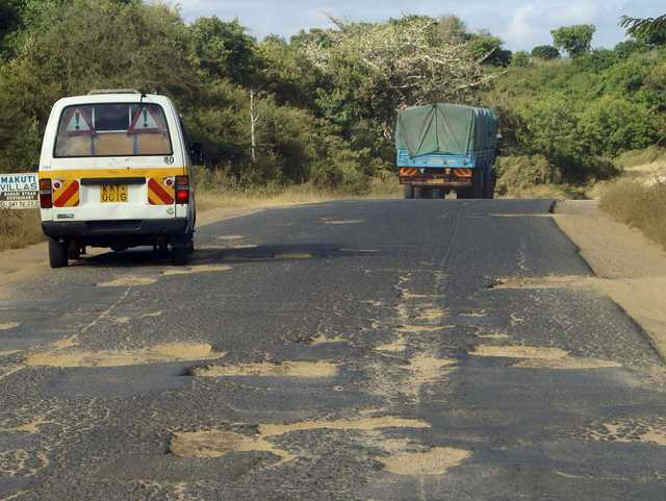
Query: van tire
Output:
(179,255)
(57,253)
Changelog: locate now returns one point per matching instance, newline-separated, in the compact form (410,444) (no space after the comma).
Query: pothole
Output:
(542,357)
(129,281)
(154,314)
(199,268)
(431,314)
(398,345)
(321,339)
(68,342)
(437,461)
(343,221)
(216,443)
(293,255)
(567,363)
(360,251)
(9,325)
(230,237)
(474,314)
(629,431)
(541,353)
(496,335)
(31,427)
(172,352)
(423,328)
(300,369)
(425,369)
(549,282)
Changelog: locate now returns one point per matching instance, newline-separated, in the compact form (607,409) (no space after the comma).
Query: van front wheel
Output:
(57,253)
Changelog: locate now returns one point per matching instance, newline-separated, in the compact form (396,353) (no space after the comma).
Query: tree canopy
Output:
(545,52)
(576,39)
(324,103)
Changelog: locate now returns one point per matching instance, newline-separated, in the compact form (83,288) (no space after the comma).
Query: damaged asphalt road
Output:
(385,350)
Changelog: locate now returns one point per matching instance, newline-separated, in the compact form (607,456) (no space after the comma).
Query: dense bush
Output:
(326,101)
(579,113)
(516,172)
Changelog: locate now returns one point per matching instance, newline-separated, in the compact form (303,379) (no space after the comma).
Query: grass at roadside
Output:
(639,204)
(215,191)
(19,228)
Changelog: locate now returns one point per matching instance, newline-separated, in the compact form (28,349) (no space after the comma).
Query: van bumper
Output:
(112,232)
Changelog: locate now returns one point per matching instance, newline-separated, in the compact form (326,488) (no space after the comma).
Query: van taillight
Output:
(182,189)
(45,194)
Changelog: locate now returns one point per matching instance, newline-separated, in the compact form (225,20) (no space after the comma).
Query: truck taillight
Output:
(45,194)
(182,189)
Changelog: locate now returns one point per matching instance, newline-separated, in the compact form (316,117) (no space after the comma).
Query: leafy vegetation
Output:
(576,40)
(324,102)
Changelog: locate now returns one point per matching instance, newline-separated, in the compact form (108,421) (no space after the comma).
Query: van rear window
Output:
(112,129)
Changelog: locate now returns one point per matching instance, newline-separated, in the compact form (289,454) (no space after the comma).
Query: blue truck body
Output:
(443,147)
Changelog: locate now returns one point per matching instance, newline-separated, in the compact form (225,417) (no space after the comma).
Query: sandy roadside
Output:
(630,268)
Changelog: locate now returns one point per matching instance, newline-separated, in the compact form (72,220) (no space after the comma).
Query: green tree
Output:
(224,50)
(651,30)
(613,124)
(627,47)
(452,29)
(576,39)
(520,58)
(376,69)
(87,44)
(545,52)
(488,49)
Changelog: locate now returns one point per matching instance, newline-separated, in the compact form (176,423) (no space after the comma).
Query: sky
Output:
(520,24)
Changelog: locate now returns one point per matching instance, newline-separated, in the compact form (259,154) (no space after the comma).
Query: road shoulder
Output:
(631,269)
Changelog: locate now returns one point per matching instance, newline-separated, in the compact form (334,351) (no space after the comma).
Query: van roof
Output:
(115,97)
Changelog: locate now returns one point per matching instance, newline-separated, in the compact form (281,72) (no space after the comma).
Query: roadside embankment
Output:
(631,269)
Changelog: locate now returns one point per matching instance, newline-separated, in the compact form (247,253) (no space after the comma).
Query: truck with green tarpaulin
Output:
(445,147)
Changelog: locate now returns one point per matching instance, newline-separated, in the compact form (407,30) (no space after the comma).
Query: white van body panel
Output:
(88,172)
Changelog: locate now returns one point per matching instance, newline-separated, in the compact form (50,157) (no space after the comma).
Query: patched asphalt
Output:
(402,297)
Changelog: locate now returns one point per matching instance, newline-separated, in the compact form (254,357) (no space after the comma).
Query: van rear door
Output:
(116,160)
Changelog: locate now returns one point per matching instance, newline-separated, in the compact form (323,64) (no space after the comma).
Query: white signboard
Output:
(19,191)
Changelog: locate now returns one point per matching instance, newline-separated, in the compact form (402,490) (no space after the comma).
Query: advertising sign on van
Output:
(19,191)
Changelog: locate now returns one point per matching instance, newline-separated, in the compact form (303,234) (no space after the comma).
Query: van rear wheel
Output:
(57,253)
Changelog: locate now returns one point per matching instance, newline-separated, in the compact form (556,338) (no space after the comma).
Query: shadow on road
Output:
(146,257)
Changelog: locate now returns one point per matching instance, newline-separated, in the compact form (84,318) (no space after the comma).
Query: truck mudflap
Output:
(446,178)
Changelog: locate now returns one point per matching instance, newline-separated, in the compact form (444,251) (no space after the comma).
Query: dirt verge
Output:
(631,268)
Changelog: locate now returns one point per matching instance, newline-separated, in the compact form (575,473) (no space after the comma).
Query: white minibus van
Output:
(115,171)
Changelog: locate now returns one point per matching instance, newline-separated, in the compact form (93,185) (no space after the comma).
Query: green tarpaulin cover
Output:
(445,128)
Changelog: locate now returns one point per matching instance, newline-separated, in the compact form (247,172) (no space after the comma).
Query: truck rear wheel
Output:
(478,190)
(57,253)
(409,191)
(490,184)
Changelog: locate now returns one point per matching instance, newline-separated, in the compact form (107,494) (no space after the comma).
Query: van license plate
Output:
(114,193)
(435,181)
